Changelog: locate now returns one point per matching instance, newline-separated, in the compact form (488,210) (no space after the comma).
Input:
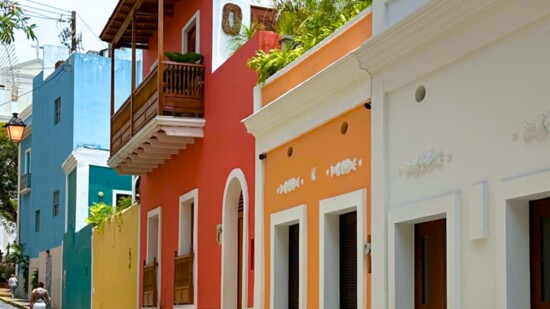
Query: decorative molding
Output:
(313,173)
(538,128)
(424,163)
(344,167)
(290,185)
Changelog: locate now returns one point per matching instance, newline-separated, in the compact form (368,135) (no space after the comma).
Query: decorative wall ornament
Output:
(290,185)
(235,27)
(539,128)
(424,163)
(313,173)
(344,167)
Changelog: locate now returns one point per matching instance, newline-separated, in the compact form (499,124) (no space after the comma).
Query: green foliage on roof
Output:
(306,23)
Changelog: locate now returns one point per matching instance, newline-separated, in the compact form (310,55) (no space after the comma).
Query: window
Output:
(56,203)
(118,195)
(27,168)
(262,16)
(540,252)
(57,111)
(37,221)
(191,35)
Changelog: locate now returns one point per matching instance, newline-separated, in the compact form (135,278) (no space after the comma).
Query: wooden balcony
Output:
(150,296)
(159,118)
(183,279)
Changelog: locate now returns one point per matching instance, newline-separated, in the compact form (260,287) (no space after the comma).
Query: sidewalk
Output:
(16,302)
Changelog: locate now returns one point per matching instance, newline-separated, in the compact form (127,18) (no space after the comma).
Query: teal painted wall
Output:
(77,262)
(106,180)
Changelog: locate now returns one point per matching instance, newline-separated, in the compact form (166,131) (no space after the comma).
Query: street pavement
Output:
(6,306)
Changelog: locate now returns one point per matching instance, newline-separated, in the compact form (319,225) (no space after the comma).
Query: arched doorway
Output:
(234,242)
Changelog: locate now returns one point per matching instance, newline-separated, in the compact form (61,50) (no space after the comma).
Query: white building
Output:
(461,132)
(16,87)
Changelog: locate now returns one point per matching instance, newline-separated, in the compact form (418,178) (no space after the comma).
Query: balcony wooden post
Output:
(133,71)
(160,78)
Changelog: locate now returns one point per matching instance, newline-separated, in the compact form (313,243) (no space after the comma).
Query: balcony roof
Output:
(118,29)
(161,138)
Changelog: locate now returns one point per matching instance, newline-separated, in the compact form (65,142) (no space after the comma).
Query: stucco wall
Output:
(115,258)
(490,79)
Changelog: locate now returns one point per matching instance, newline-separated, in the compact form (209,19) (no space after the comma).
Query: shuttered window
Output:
(262,16)
(348,261)
(293,266)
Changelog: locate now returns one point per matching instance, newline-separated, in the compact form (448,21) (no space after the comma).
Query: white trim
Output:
(227,280)
(283,219)
(119,192)
(336,89)
(259,253)
(193,197)
(26,168)
(401,222)
(329,210)
(152,213)
(512,197)
(195,19)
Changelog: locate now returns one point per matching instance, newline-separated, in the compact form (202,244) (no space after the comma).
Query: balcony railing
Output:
(182,95)
(150,284)
(25,183)
(183,279)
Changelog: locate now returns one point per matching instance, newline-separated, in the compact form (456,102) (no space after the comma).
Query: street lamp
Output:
(15,128)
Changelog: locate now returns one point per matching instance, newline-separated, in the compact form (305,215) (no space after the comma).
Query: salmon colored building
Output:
(181,131)
(313,176)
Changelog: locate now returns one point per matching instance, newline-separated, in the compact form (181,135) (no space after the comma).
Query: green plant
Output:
(307,22)
(189,57)
(247,32)
(99,214)
(34,278)
(13,18)
(124,203)
(17,257)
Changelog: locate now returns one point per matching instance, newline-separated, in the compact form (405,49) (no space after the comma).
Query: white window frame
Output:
(330,210)
(401,221)
(119,192)
(191,197)
(152,213)
(27,167)
(280,221)
(194,20)
(512,197)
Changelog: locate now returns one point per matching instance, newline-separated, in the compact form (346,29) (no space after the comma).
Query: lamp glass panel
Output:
(15,133)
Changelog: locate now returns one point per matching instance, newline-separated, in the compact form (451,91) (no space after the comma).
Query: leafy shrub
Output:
(99,214)
(308,22)
(124,203)
(189,57)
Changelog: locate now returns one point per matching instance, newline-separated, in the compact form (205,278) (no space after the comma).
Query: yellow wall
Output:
(320,148)
(115,259)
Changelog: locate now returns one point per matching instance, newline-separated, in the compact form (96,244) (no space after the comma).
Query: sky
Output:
(94,13)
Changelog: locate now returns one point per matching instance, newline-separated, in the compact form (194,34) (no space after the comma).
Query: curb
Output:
(13,303)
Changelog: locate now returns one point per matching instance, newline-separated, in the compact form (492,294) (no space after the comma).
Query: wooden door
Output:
(293,266)
(192,39)
(430,276)
(539,242)
(348,261)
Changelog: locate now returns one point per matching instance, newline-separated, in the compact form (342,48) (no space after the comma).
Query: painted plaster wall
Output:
(77,269)
(478,100)
(92,96)
(321,148)
(206,166)
(104,179)
(48,176)
(115,258)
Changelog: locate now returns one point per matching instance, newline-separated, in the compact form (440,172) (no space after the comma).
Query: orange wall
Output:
(335,49)
(319,148)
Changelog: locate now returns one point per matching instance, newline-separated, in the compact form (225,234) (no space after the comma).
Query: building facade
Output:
(62,105)
(312,133)
(180,130)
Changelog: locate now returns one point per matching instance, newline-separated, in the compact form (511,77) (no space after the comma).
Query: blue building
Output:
(66,143)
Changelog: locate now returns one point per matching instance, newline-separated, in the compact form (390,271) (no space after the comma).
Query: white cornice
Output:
(331,92)
(416,30)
